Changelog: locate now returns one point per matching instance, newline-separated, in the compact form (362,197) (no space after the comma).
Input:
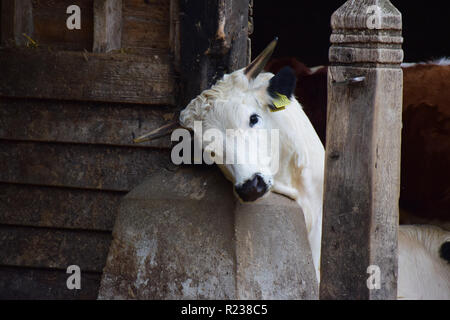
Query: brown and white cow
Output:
(425,155)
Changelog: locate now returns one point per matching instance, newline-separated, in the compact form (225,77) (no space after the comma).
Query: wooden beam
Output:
(213,42)
(34,73)
(251,27)
(175,33)
(50,248)
(16,20)
(53,207)
(76,122)
(146,25)
(18,283)
(107,25)
(79,166)
(362,178)
(50,25)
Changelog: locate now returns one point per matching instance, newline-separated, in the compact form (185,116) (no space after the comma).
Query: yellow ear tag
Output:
(280,102)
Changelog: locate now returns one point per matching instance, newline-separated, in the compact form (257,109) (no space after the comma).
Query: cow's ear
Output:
(281,88)
(283,83)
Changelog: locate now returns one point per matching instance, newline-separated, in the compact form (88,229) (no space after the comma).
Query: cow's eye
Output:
(254,118)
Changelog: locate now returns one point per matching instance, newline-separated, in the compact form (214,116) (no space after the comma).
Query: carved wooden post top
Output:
(366,32)
(362,183)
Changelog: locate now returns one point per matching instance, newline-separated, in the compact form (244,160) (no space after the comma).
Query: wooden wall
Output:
(67,117)
(70,103)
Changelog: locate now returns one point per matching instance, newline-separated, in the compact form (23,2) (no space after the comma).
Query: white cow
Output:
(245,100)
(239,101)
(423,262)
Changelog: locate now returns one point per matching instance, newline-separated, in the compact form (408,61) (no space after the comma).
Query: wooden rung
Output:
(40,73)
(96,123)
(52,248)
(79,166)
(107,25)
(16,22)
(53,207)
(41,284)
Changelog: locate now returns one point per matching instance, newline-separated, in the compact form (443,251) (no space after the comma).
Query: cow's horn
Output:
(158,133)
(257,65)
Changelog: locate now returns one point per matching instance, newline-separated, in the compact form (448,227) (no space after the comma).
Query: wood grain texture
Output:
(107,25)
(146,24)
(49,248)
(68,161)
(16,19)
(78,166)
(83,76)
(51,207)
(361,184)
(79,122)
(354,15)
(213,42)
(42,284)
(362,171)
(49,20)
(175,33)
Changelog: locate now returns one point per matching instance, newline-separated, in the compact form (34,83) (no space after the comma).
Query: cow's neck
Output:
(301,175)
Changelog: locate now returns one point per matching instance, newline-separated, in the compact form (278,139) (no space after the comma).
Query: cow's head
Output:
(242,101)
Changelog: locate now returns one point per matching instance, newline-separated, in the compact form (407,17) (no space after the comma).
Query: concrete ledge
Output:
(183,235)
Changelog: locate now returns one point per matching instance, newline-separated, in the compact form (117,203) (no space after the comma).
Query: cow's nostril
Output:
(252,189)
(261,186)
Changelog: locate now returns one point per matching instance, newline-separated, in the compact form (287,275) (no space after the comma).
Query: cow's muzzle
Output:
(252,189)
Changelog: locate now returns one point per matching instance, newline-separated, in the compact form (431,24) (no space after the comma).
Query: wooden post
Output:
(213,42)
(362,178)
(107,25)
(175,33)
(16,20)
(250,31)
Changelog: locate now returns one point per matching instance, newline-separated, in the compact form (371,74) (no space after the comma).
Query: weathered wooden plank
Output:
(50,248)
(154,10)
(362,177)
(67,208)
(42,284)
(175,33)
(69,121)
(146,24)
(87,76)
(16,19)
(79,166)
(213,42)
(142,34)
(50,28)
(107,25)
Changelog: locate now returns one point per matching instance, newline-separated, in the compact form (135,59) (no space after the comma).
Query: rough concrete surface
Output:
(183,235)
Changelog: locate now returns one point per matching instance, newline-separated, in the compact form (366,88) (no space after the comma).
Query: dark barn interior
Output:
(304,29)
(304,32)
